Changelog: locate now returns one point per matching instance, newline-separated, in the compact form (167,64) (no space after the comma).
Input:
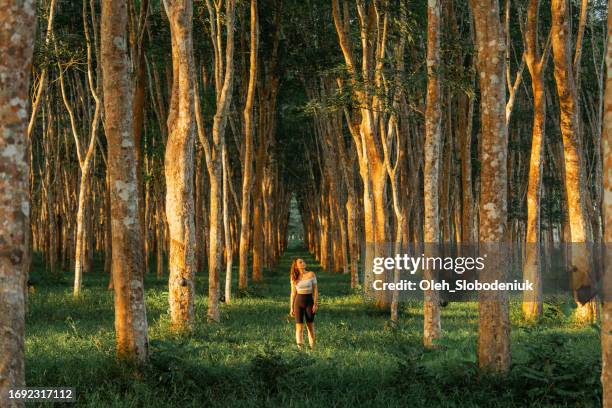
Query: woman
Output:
(304,296)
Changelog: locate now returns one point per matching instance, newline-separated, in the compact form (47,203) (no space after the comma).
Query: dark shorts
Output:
(302,306)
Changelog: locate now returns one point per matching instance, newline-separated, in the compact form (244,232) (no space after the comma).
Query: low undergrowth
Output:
(249,359)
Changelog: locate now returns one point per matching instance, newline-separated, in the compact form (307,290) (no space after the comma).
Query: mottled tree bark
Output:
(179,163)
(494,320)
(16,47)
(433,132)
(126,229)
(606,315)
(575,177)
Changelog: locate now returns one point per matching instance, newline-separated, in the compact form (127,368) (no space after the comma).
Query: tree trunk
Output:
(247,176)
(179,167)
(575,178)
(224,77)
(226,226)
(433,128)
(16,47)
(79,255)
(108,245)
(127,254)
(257,235)
(494,320)
(606,315)
(532,300)
(84,158)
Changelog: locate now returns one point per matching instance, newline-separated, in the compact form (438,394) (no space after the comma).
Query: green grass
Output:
(249,358)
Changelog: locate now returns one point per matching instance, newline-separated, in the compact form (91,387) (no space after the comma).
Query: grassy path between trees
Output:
(249,359)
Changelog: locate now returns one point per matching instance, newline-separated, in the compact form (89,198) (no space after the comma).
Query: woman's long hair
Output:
(294,273)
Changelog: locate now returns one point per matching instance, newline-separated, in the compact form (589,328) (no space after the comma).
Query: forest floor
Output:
(249,359)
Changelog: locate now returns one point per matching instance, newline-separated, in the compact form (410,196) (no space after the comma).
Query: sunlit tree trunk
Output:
(247,176)
(433,133)
(575,178)
(16,46)
(494,320)
(532,300)
(127,262)
(373,20)
(179,163)
(226,225)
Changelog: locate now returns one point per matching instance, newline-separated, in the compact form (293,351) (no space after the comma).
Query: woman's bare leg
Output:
(299,328)
(311,335)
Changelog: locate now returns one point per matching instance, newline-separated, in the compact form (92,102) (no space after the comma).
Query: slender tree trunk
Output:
(258,236)
(532,300)
(226,227)
(17,33)
(79,257)
(127,261)
(159,241)
(224,77)
(199,211)
(467,202)
(108,246)
(42,82)
(247,176)
(84,158)
(494,319)
(433,128)
(179,167)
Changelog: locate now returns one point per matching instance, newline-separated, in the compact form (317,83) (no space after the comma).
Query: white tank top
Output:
(304,286)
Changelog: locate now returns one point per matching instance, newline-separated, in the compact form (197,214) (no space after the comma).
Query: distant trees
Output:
(16,47)
(336,103)
(366,123)
(224,79)
(84,152)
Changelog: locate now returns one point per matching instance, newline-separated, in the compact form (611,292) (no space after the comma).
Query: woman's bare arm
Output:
(315,294)
(293,291)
